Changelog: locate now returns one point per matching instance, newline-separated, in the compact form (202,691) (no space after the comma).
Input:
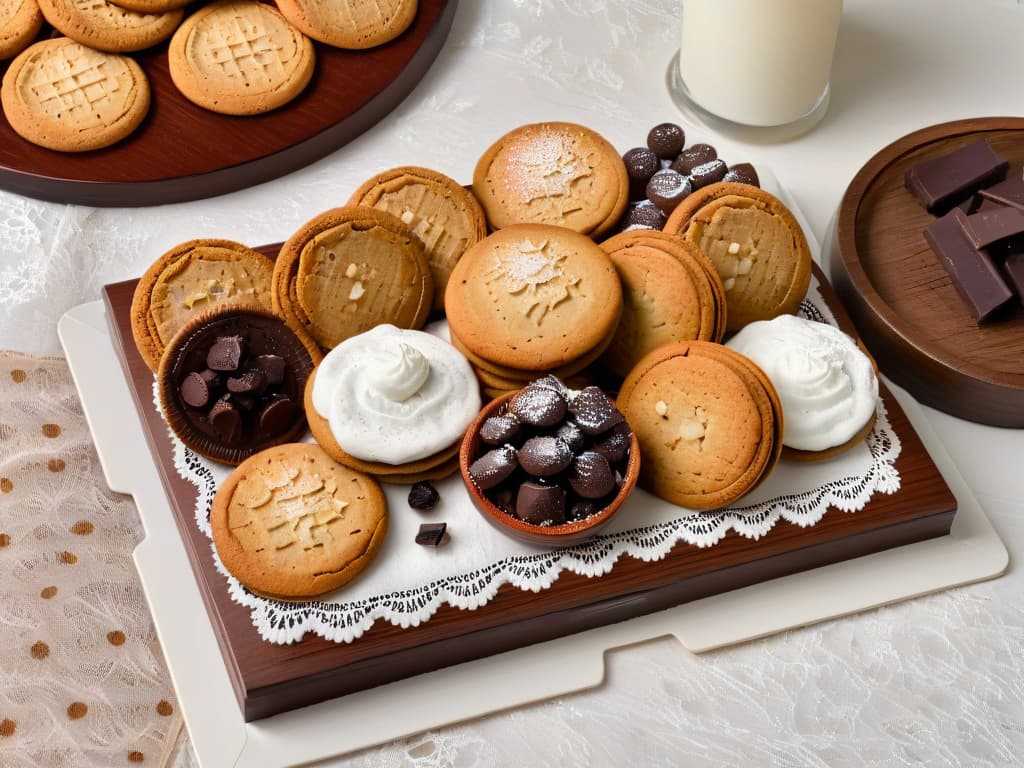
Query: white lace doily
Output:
(408,583)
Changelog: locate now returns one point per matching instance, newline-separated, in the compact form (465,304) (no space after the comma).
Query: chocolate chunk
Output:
(707,173)
(553,383)
(544,456)
(431,534)
(226,420)
(742,173)
(226,353)
(692,156)
(493,467)
(251,380)
(591,476)
(245,402)
(990,226)
(614,444)
(504,498)
(538,406)
(572,435)
(667,188)
(594,411)
(272,366)
(277,416)
(972,272)
(501,429)
(666,140)
(540,504)
(423,496)
(942,182)
(645,215)
(1010,191)
(212,378)
(1013,267)
(581,510)
(195,391)
(641,163)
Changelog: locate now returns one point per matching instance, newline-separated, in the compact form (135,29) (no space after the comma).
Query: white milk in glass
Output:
(758,62)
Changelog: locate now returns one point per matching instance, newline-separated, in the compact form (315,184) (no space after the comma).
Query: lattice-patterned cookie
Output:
(350,23)
(20,22)
(107,27)
(240,57)
(292,523)
(63,95)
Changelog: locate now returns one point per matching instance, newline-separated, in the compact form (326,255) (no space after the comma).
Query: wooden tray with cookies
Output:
(145,102)
(320,561)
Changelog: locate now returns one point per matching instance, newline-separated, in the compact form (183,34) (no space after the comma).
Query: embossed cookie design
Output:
(350,24)
(291,523)
(20,22)
(108,27)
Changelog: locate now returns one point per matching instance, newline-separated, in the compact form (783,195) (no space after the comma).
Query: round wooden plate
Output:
(901,299)
(183,152)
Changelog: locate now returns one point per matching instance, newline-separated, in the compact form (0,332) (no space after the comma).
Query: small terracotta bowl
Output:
(563,535)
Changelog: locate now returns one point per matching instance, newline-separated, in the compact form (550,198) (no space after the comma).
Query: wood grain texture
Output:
(273,678)
(903,302)
(183,152)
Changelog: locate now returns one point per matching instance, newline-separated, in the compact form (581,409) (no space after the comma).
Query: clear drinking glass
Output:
(756,66)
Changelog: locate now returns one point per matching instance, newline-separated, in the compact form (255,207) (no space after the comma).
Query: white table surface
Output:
(936,681)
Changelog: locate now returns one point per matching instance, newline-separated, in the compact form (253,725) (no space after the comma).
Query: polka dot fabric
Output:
(83,679)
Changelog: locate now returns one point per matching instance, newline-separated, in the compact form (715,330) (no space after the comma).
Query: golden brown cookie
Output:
(443,214)
(552,173)
(151,6)
(353,24)
(65,96)
(667,297)
(348,270)
(755,243)
(231,383)
(533,297)
(440,464)
(291,523)
(239,57)
(107,27)
(705,422)
(193,278)
(20,22)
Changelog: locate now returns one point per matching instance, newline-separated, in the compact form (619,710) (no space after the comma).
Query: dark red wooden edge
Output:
(269,679)
(240,176)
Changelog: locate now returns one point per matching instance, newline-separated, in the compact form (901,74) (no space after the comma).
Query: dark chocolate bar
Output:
(1014,269)
(1007,192)
(943,182)
(972,271)
(992,225)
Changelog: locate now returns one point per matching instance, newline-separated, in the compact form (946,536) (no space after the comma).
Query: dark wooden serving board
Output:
(901,299)
(183,152)
(271,678)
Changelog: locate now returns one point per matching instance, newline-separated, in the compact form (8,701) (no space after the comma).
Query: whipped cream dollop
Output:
(395,396)
(827,385)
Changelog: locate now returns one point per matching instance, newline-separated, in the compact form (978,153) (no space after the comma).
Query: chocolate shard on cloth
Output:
(943,182)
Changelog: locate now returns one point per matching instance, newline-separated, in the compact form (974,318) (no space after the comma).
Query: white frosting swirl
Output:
(395,396)
(826,384)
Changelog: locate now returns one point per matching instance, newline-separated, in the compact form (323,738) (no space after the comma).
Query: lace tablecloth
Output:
(936,681)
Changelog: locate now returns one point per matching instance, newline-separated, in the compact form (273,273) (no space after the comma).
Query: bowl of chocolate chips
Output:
(548,465)
(231,383)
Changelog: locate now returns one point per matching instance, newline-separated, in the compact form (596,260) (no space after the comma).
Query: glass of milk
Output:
(756,64)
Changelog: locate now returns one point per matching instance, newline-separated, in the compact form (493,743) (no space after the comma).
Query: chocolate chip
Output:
(538,406)
(708,173)
(666,140)
(742,173)
(667,188)
(641,163)
(540,504)
(423,496)
(591,476)
(501,429)
(646,215)
(544,456)
(614,444)
(572,435)
(251,380)
(272,366)
(226,353)
(195,391)
(594,411)
(226,420)
(493,467)
(277,415)
(431,534)
(692,156)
